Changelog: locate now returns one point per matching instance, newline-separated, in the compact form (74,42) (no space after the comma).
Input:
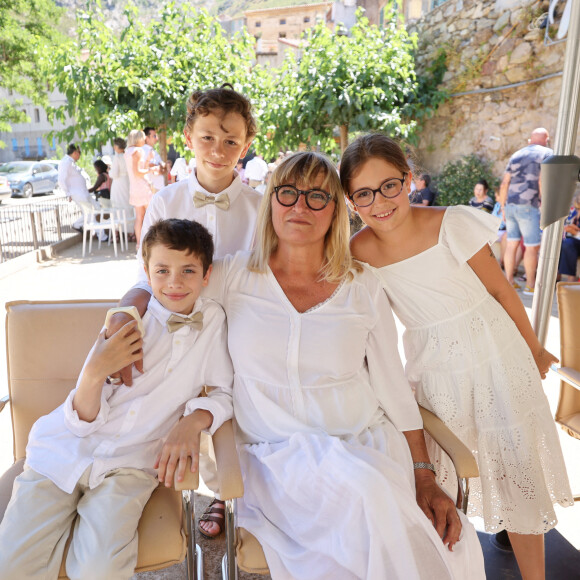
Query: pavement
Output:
(102,275)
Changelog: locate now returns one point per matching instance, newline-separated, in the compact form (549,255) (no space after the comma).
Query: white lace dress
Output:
(320,400)
(468,363)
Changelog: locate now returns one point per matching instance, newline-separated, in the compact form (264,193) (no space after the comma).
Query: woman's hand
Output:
(438,507)
(544,360)
(181,443)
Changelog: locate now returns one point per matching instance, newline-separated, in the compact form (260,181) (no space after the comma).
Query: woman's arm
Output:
(434,502)
(484,264)
(138,160)
(101,178)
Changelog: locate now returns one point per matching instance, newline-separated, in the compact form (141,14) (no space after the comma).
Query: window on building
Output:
(39,151)
(26,147)
(438,3)
(10,92)
(306,19)
(37,115)
(14,145)
(281,35)
(258,24)
(282,21)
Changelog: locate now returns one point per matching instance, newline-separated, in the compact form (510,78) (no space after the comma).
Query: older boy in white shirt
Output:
(94,459)
(219,128)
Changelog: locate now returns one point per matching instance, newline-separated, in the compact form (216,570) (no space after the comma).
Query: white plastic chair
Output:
(92,225)
(124,217)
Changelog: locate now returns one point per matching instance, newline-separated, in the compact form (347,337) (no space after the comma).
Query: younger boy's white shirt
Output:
(232,230)
(133,422)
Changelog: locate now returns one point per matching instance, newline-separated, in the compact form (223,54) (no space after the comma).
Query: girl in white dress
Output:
(472,355)
(327,423)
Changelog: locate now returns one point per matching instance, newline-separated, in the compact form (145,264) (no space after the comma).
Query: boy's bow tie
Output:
(221,201)
(175,322)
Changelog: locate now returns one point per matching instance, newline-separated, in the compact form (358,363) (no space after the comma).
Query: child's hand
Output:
(181,443)
(544,360)
(111,354)
(118,321)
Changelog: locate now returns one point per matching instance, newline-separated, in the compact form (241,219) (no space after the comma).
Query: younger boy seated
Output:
(97,458)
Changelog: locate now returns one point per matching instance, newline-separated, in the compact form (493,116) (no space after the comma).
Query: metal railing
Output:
(28,227)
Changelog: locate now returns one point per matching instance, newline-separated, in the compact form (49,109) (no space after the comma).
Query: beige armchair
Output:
(47,343)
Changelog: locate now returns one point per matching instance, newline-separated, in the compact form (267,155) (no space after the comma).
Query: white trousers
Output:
(39,516)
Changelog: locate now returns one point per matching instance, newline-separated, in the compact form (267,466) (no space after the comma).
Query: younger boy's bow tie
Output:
(175,322)
(221,201)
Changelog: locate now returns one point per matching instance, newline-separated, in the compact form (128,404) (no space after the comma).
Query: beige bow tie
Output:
(221,201)
(175,322)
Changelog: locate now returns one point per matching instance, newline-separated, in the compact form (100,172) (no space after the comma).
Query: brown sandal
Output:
(208,516)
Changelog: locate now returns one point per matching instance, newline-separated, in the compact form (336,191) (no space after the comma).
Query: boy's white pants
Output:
(39,516)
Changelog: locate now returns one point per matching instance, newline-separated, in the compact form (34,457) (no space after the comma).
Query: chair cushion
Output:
(249,553)
(568,411)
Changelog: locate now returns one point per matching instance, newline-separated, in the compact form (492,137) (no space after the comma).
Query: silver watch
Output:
(424,465)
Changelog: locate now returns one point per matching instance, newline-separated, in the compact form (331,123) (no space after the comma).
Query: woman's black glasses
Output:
(316,199)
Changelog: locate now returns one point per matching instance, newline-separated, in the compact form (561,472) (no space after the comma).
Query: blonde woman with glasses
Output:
(336,473)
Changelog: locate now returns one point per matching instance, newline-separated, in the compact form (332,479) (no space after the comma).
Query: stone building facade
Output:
(504,77)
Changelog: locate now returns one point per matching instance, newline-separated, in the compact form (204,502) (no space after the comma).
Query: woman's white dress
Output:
(469,364)
(120,189)
(320,400)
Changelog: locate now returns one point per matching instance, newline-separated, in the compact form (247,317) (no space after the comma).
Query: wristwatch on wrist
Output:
(424,465)
(131,311)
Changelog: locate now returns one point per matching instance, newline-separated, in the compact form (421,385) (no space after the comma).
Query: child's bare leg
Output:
(529,552)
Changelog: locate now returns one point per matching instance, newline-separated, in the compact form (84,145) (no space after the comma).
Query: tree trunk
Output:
(343,137)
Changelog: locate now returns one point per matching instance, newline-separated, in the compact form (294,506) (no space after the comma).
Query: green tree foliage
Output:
(456,181)
(27,36)
(355,82)
(144,77)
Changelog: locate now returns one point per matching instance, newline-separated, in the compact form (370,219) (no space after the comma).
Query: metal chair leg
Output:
(194,558)
(229,567)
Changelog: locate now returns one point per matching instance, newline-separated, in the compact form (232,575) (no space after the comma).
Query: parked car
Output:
(4,186)
(27,178)
(55,163)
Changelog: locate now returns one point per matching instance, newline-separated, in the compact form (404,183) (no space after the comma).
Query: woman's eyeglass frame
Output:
(306,193)
(379,190)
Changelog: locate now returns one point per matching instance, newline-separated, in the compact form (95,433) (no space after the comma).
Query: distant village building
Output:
(31,140)
(277,30)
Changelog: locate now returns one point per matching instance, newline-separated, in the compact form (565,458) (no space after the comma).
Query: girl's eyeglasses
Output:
(389,189)
(288,195)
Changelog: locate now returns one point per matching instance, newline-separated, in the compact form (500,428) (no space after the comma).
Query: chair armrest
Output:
(568,374)
(228,463)
(463,460)
(4,401)
(190,480)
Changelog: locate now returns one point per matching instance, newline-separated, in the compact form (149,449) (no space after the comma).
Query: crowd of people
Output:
(340,481)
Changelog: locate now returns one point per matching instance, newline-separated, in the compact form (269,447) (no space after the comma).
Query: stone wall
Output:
(489,44)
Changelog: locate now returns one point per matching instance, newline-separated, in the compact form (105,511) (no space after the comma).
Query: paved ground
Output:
(101,275)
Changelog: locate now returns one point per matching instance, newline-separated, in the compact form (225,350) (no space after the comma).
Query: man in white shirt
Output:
(72,182)
(97,454)
(256,170)
(155,162)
